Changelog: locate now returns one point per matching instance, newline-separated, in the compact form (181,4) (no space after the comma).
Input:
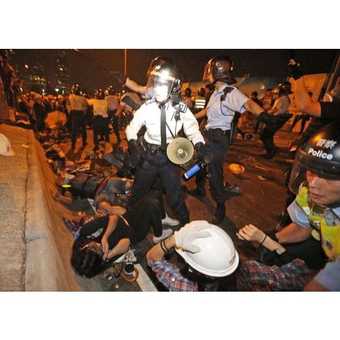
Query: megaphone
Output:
(180,151)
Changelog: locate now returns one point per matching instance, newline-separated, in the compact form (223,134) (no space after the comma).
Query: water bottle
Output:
(194,170)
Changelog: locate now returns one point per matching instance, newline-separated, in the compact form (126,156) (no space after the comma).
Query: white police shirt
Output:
(220,114)
(149,115)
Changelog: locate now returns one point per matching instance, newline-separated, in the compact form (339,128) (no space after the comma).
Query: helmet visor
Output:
(160,85)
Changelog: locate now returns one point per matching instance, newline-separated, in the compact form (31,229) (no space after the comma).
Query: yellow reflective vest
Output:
(323,220)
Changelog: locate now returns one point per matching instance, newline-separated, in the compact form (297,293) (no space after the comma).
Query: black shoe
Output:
(233,190)
(197,192)
(219,213)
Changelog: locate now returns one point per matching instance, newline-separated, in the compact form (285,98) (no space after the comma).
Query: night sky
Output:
(96,68)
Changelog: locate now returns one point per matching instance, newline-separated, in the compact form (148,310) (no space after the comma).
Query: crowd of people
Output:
(130,201)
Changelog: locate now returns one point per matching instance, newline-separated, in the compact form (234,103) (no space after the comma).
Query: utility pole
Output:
(125,63)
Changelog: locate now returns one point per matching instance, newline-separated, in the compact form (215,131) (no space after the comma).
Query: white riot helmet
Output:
(163,80)
(217,256)
(5,146)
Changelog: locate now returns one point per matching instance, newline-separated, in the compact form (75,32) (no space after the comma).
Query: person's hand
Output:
(200,150)
(185,237)
(135,154)
(110,255)
(105,247)
(251,233)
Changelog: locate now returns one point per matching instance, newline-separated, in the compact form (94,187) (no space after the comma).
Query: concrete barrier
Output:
(48,243)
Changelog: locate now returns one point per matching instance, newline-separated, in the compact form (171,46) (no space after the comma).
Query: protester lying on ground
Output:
(109,234)
(315,215)
(209,256)
(97,242)
(84,185)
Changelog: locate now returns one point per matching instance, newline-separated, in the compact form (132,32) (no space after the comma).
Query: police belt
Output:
(152,148)
(216,134)
(217,131)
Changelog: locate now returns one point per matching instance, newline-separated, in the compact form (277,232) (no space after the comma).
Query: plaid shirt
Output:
(255,276)
(171,278)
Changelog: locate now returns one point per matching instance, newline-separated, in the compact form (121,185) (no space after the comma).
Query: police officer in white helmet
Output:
(163,115)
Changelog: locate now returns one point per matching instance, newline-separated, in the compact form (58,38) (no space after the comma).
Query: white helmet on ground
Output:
(5,146)
(216,257)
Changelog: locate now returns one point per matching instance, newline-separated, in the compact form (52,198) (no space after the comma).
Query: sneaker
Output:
(165,234)
(172,222)
(232,189)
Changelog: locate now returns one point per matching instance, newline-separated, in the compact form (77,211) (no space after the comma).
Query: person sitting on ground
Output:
(209,256)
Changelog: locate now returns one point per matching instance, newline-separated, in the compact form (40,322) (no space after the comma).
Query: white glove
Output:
(190,232)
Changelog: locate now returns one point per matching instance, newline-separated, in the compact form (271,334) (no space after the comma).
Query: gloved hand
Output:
(185,237)
(201,151)
(135,153)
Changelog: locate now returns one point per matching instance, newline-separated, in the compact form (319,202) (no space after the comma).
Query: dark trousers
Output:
(115,123)
(155,165)
(40,122)
(146,214)
(100,128)
(217,142)
(272,125)
(78,121)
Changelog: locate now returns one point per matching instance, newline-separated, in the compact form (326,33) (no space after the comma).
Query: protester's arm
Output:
(156,253)
(293,233)
(121,248)
(132,85)
(253,107)
(111,225)
(182,239)
(251,233)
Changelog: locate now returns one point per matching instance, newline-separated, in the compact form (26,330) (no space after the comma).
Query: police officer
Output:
(163,116)
(100,118)
(315,215)
(220,110)
(77,106)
